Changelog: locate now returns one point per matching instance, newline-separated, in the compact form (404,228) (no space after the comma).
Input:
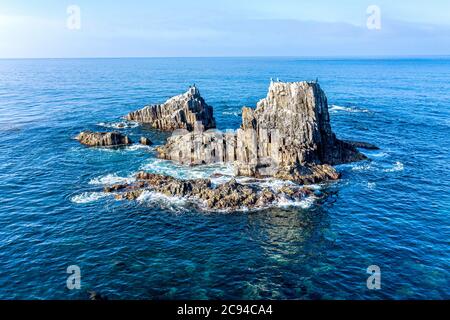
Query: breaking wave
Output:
(88,197)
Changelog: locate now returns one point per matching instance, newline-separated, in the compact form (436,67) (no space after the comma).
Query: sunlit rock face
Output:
(288,136)
(200,147)
(290,127)
(181,112)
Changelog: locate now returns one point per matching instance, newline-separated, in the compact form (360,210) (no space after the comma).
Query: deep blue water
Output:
(391,212)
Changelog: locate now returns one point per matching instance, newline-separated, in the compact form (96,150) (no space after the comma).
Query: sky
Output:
(200,28)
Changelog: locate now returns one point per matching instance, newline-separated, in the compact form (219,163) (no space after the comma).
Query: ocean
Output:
(391,212)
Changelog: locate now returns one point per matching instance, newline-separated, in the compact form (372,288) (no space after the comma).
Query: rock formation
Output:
(145,141)
(181,112)
(200,147)
(228,196)
(287,136)
(103,139)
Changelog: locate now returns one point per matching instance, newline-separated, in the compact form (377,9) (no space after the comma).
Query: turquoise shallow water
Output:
(391,212)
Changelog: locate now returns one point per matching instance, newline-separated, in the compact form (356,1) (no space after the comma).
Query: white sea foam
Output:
(304,203)
(119,125)
(396,168)
(180,204)
(371,185)
(361,167)
(232,113)
(335,108)
(111,179)
(137,147)
(283,203)
(170,168)
(218,174)
(175,204)
(274,184)
(378,154)
(124,149)
(88,197)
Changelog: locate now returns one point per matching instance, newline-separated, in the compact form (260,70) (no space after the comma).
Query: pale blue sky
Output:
(138,28)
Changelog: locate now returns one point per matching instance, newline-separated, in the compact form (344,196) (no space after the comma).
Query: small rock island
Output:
(287,136)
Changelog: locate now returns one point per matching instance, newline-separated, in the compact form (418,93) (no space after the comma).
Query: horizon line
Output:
(237,57)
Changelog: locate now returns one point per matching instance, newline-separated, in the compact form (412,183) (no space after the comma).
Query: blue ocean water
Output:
(391,211)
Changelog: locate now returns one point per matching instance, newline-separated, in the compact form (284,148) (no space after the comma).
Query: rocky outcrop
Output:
(103,139)
(228,196)
(185,111)
(200,147)
(291,128)
(307,174)
(145,141)
(287,136)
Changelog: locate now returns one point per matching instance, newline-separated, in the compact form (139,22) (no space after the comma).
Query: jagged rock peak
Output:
(186,111)
(294,121)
